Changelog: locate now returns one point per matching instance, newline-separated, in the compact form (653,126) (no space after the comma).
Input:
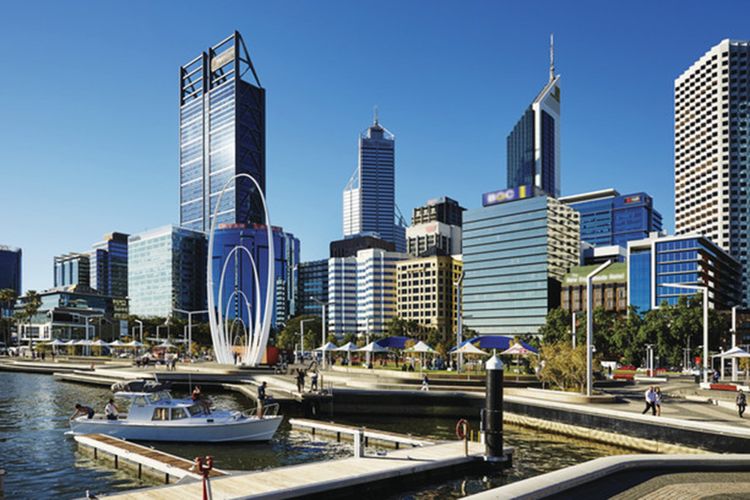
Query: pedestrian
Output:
(650,397)
(425,383)
(314,381)
(741,402)
(262,396)
(716,377)
(657,401)
(300,380)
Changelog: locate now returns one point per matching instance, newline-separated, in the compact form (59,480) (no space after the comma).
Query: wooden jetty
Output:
(370,436)
(144,460)
(328,479)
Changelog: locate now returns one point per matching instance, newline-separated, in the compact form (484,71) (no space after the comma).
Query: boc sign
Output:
(495,197)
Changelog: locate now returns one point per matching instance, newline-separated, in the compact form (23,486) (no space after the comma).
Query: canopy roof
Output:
(469,348)
(420,347)
(396,342)
(735,352)
(330,346)
(349,347)
(373,347)
(496,342)
(517,350)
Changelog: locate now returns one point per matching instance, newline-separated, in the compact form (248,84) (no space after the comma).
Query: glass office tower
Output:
(109,265)
(370,194)
(654,263)
(534,143)
(313,285)
(71,269)
(222,133)
(10,268)
(609,218)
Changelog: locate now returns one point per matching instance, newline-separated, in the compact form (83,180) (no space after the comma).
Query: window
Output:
(178,413)
(160,414)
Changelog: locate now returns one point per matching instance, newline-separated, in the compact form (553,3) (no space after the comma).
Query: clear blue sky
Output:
(89,109)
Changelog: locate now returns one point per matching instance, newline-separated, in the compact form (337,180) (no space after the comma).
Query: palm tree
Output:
(32,303)
(8,298)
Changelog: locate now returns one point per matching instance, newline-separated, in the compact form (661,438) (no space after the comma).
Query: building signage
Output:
(632,199)
(222,59)
(510,194)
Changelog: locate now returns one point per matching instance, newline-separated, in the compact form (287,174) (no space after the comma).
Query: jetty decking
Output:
(323,478)
(339,430)
(123,452)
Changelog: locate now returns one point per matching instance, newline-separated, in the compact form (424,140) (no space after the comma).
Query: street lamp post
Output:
(650,359)
(140,327)
(734,342)
(590,327)
(190,324)
(323,327)
(703,289)
(459,319)
(573,330)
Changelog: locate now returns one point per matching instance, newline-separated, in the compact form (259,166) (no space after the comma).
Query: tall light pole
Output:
(324,326)
(302,337)
(459,318)
(573,329)
(140,327)
(704,289)
(190,324)
(734,342)
(590,327)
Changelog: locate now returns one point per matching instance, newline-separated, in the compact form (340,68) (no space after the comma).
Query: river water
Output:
(41,462)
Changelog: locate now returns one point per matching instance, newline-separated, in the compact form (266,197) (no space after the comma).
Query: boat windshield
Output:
(195,410)
(156,397)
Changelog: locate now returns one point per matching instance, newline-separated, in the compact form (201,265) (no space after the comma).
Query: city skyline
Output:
(306,167)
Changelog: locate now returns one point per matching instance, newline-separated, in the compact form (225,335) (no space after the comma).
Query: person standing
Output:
(300,380)
(650,397)
(262,396)
(111,410)
(741,401)
(425,383)
(657,401)
(314,381)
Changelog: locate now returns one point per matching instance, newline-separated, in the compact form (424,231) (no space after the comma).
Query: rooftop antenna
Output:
(375,114)
(551,56)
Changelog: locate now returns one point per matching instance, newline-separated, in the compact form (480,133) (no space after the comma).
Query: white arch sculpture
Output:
(222,345)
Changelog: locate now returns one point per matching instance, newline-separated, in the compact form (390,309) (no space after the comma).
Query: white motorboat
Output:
(156,416)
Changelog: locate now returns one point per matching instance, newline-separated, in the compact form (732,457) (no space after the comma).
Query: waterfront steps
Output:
(326,479)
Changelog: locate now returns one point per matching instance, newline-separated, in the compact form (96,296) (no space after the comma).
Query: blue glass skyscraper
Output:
(109,265)
(10,268)
(609,218)
(222,133)
(370,195)
(533,146)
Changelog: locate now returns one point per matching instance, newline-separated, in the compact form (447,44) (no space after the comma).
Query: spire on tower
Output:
(375,114)
(551,56)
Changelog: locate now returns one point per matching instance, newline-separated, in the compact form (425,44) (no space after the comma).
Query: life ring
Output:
(461,428)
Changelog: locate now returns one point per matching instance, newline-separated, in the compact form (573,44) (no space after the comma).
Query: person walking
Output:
(425,383)
(300,380)
(657,401)
(741,401)
(650,397)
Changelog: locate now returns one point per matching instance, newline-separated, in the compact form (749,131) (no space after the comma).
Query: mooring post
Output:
(2,482)
(359,449)
(493,411)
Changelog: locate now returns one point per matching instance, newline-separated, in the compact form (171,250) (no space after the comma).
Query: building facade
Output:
(222,134)
(348,247)
(239,292)
(109,265)
(515,255)
(426,292)
(71,269)
(370,195)
(609,287)
(435,228)
(313,287)
(342,295)
(609,218)
(533,146)
(11,259)
(166,271)
(656,262)
(712,164)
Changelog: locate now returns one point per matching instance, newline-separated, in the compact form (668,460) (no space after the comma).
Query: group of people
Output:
(301,380)
(110,411)
(653,401)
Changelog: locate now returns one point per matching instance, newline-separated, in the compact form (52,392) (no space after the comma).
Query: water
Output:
(41,462)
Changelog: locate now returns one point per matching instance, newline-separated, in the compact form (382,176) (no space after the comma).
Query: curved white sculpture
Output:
(222,345)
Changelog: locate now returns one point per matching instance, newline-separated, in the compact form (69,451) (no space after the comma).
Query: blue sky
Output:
(88,103)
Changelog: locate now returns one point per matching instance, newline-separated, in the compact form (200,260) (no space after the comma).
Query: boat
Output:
(156,416)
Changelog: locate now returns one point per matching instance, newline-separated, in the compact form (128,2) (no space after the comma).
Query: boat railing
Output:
(269,410)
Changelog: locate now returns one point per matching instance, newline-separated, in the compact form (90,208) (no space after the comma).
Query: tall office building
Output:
(534,143)
(342,295)
(370,195)
(515,255)
(655,262)
(712,164)
(222,133)
(166,270)
(71,269)
(10,268)
(313,286)
(239,284)
(609,218)
(435,228)
(109,265)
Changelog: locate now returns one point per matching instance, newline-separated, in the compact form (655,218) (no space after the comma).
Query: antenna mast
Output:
(551,56)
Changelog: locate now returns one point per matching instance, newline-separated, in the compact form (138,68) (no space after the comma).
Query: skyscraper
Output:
(712,164)
(370,194)
(222,133)
(71,269)
(109,265)
(10,268)
(534,143)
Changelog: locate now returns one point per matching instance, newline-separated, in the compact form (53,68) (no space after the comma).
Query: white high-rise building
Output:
(362,292)
(712,129)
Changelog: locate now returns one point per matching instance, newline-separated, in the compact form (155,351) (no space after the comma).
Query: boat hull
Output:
(242,430)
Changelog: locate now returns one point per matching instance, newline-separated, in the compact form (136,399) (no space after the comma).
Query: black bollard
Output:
(493,411)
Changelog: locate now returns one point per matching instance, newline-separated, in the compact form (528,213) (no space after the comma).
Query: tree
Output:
(8,298)
(563,366)
(32,303)
(288,337)
(556,327)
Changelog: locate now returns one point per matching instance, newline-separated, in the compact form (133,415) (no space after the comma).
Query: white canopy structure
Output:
(100,343)
(117,343)
(420,347)
(517,350)
(734,352)
(330,346)
(373,347)
(470,348)
(349,347)
(134,343)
